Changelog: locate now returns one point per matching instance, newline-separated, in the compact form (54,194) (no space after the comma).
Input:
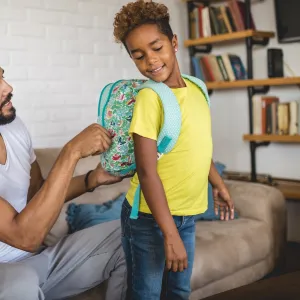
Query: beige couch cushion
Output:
(223,248)
(46,159)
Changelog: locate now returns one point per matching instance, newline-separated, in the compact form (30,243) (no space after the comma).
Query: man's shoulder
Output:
(20,124)
(17,122)
(18,130)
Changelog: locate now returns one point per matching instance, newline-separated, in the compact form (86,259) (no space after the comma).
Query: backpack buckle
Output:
(159,155)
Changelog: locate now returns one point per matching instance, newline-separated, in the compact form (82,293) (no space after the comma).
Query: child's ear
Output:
(175,42)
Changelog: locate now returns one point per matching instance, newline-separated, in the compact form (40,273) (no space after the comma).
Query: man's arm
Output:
(77,185)
(97,177)
(146,163)
(75,189)
(36,180)
(26,230)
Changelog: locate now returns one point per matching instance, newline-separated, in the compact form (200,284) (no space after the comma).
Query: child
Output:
(174,189)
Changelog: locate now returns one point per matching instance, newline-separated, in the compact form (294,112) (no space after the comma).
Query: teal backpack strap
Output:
(200,84)
(136,203)
(169,133)
(170,130)
(136,200)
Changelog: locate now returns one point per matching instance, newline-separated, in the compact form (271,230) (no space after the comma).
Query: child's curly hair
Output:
(138,13)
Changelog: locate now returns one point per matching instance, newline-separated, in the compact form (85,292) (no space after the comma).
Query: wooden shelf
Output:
(272,138)
(214,39)
(252,82)
(290,189)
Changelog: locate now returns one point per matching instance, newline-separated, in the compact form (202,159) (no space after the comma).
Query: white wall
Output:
(58,54)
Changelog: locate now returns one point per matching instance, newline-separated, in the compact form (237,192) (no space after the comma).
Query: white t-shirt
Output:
(15,176)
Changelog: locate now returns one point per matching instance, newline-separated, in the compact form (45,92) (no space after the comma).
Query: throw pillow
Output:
(81,216)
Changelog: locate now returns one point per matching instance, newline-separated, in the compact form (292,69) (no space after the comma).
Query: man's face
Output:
(7,111)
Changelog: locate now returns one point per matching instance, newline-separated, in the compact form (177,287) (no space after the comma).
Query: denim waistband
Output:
(129,207)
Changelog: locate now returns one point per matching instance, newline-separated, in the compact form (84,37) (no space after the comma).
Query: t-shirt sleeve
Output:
(28,141)
(32,153)
(30,146)
(147,115)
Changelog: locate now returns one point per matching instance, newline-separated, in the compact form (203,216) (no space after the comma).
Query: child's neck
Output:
(175,80)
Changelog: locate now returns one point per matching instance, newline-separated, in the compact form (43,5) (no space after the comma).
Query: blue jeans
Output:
(143,244)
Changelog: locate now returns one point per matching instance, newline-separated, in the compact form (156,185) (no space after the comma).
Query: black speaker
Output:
(275,63)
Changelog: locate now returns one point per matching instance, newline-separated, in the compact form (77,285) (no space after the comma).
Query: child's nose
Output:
(152,59)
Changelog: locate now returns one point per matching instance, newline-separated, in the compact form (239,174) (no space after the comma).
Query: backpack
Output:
(115,109)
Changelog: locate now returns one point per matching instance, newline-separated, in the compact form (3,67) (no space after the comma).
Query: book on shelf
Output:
(270,116)
(226,67)
(205,21)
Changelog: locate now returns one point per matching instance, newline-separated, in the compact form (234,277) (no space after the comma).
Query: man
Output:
(30,205)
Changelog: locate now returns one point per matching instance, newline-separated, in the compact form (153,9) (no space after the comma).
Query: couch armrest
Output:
(264,203)
(256,201)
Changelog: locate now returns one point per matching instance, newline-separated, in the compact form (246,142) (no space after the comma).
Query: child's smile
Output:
(156,71)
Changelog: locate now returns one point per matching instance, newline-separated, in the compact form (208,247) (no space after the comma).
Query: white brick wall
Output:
(58,54)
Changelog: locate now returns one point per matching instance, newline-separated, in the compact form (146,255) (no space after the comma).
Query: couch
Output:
(228,254)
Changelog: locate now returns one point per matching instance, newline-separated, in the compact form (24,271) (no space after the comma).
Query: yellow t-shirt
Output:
(183,171)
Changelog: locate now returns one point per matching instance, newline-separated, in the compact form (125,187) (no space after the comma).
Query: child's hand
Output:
(176,257)
(224,203)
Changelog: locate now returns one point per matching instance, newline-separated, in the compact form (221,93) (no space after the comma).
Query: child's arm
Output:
(146,163)
(220,191)
(214,177)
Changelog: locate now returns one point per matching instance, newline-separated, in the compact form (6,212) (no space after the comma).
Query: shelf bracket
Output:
(260,90)
(255,145)
(260,41)
(200,49)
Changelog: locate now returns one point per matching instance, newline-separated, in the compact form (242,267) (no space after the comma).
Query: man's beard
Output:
(9,118)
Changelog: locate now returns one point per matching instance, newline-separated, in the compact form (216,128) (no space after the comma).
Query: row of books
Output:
(226,67)
(206,21)
(270,116)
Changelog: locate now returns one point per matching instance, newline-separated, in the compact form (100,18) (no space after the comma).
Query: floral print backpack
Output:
(115,109)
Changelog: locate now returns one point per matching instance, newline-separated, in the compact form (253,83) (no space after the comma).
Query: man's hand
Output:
(100,177)
(223,202)
(176,256)
(93,140)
